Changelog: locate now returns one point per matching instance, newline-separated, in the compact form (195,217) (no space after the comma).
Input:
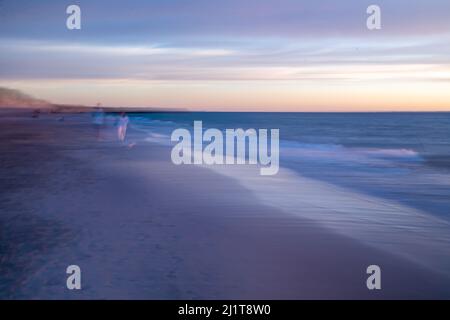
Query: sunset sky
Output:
(275,55)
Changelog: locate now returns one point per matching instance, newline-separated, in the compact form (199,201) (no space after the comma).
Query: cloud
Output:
(37,47)
(345,59)
(162,20)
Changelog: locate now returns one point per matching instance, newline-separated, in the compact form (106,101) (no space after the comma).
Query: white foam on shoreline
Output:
(380,223)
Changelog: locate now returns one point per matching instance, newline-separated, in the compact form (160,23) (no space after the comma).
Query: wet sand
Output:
(142,228)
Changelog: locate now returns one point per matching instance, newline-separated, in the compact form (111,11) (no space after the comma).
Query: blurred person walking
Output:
(122,126)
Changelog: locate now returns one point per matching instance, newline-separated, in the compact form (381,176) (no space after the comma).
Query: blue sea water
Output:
(403,157)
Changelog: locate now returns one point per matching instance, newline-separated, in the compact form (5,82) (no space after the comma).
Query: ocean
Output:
(398,156)
(380,178)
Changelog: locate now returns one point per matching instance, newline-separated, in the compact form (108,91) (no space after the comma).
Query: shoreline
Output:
(140,227)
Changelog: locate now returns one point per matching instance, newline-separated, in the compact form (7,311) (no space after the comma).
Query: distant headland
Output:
(15,99)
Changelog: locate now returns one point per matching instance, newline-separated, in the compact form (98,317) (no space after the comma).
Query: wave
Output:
(338,154)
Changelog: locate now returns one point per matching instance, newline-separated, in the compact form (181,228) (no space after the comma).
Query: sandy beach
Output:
(140,227)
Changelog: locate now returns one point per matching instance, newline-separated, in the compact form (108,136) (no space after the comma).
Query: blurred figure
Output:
(122,126)
(99,120)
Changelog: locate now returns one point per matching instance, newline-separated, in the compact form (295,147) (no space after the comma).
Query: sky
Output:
(230,55)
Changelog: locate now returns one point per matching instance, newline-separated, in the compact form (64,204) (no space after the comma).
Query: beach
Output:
(140,227)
